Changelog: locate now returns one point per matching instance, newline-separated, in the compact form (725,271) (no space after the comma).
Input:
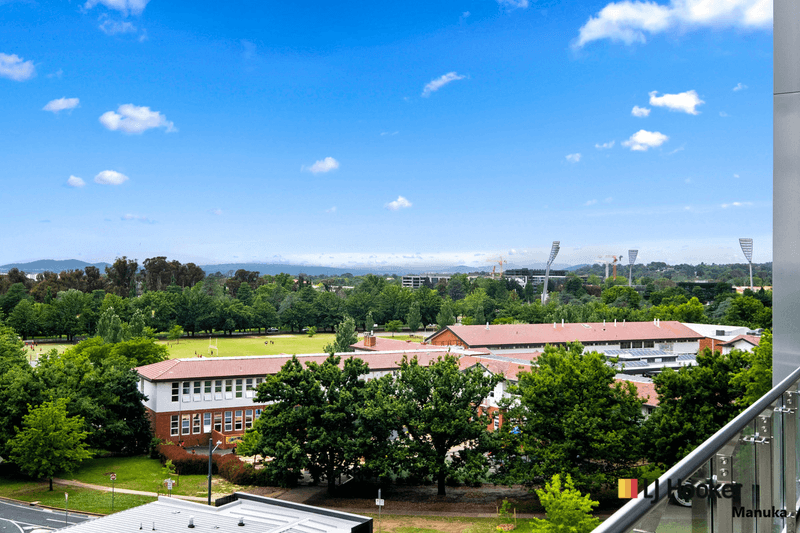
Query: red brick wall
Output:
(447,338)
(161,423)
(711,344)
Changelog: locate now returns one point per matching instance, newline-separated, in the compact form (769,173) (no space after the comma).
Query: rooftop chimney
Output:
(562,322)
(487,324)
(615,322)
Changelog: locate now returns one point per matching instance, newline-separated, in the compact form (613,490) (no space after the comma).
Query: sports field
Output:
(223,346)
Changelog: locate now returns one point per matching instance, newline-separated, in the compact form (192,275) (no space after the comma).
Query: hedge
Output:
(229,466)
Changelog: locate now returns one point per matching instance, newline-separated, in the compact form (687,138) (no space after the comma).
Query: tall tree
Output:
(414,317)
(693,403)
(310,418)
(50,442)
(445,316)
(109,327)
(570,416)
(441,408)
(345,336)
(121,275)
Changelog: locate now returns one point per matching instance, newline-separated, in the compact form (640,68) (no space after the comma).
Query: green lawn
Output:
(441,524)
(33,352)
(93,501)
(238,346)
(143,473)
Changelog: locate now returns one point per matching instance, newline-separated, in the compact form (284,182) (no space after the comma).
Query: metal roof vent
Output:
(191,522)
(241,521)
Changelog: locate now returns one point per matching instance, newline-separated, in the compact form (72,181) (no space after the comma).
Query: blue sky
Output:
(388,133)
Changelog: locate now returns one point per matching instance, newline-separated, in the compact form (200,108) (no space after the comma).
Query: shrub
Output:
(230,466)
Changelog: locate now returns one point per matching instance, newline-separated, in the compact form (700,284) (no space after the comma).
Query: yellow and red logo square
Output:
(628,488)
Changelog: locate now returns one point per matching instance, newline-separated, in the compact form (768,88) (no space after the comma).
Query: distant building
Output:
(669,336)
(721,338)
(414,281)
(523,276)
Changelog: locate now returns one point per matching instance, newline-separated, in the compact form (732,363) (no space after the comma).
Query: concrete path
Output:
(74,483)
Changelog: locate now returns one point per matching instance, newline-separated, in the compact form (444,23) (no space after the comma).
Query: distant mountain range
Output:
(51,265)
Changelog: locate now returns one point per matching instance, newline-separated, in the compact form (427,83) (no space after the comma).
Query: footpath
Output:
(73,483)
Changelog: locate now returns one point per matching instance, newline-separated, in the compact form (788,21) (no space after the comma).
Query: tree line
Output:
(167,294)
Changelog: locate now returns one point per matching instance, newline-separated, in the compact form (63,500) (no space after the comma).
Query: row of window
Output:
(199,391)
(193,424)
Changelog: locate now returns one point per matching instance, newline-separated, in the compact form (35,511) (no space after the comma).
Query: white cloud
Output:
(400,203)
(514,3)
(608,200)
(440,82)
(736,175)
(61,104)
(723,114)
(323,165)
(687,180)
(331,210)
(736,204)
(465,14)
(389,133)
(15,68)
(629,21)
(113,27)
(138,218)
(605,146)
(216,211)
(640,111)
(573,158)
(643,139)
(590,202)
(740,86)
(110,177)
(56,74)
(75,181)
(686,101)
(123,6)
(135,119)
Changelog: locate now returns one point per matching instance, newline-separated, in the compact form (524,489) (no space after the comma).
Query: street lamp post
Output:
(210,454)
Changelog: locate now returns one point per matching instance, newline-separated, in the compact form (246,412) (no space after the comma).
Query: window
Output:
(238,388)
(185,424)
(173,423)
(196,423)
(649,344)
(186,388)
(258,413)
(176,391)
(228,389)
(238,421)
(197,389)
(624,345)
(496,422)
(636,344)
(248,388)
(207,390)
(258,381)
(248,419)
(218,389)
(228,421)
(217,421)
(206,422)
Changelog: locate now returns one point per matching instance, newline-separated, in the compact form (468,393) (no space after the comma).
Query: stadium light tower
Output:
(553,254)
(631,260)
(747,248)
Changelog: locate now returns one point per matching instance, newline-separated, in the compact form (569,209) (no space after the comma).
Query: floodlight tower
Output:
(553,254)
(747,248)
(631,260)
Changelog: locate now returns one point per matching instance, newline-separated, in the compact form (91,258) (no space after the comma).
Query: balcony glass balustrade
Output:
(744,479)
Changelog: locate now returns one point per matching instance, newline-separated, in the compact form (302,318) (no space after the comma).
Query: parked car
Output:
(272,330)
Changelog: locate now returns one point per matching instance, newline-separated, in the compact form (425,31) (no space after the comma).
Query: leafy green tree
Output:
(15,294)
(571,416)
(445,316)
(50,442)
(345,336)
(121,275)
(25,319)
(414,318)
(311,331)
(245,294)
(310,418)
(369,322)
(175,333)
(137,325)
(748,311)
(394,326)
(67,309)
(566,509)
(621,296)
(18,386)
(693,403)
(756,377)
(439,405)
(109,327)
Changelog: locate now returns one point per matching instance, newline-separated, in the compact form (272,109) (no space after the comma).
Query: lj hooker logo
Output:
(685,490)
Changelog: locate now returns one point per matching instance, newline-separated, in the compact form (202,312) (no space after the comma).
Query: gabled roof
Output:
(516,334)
(232,367)
(752,339)
(646,390)
(508,369)
(384,343)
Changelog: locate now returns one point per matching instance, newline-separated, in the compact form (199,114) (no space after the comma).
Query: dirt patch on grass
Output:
(404,524)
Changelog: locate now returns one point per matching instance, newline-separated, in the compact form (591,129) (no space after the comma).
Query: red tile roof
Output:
(517,334)
(645,391)
(752,339)
(505,368)
(225,367)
